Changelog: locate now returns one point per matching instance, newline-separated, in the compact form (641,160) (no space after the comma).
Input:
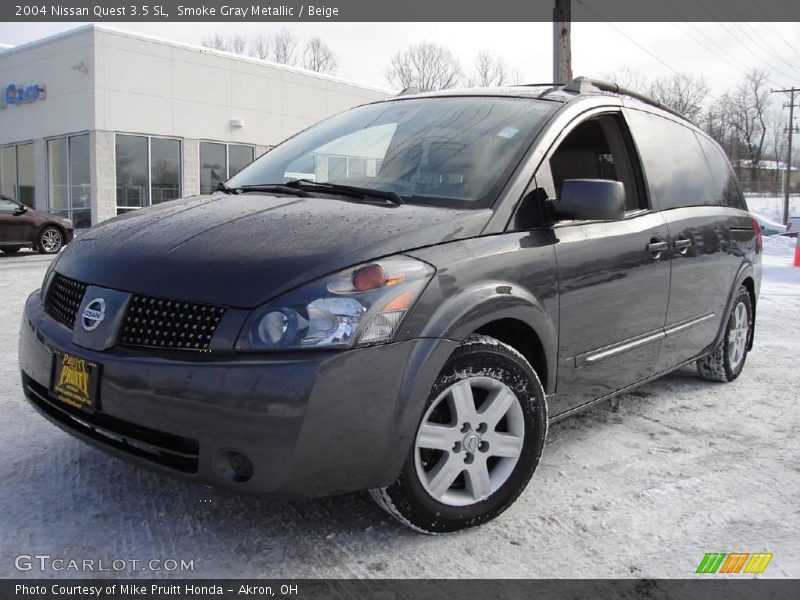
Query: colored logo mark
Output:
(734,562)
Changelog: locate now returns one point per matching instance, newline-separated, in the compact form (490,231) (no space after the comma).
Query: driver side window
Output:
(8,205)
(598,148)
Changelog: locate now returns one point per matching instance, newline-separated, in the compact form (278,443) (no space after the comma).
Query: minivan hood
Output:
(241,250)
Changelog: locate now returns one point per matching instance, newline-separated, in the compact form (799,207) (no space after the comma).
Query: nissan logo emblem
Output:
(93,314)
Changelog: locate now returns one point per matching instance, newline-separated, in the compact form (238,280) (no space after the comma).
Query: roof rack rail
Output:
(584,85)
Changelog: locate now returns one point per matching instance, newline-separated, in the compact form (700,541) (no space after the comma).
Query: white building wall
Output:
(59,64)
(162,88)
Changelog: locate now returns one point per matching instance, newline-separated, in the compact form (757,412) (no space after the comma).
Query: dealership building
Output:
(95,122)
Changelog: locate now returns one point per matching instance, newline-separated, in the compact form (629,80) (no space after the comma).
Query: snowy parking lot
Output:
(641,486)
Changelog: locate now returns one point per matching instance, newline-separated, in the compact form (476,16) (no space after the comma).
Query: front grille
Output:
(162,448)
(162,323)
(64,297)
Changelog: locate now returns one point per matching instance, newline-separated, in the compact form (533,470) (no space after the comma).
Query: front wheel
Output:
(50,240)
(726,361)
(477,444)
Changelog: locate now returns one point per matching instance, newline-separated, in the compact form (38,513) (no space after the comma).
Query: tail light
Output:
(759,237)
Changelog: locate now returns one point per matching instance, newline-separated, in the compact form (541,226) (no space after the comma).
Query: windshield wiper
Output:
(221,187)
(272,187)
(346,190)
(276,188)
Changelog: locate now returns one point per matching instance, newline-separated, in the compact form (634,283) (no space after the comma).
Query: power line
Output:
(631,40)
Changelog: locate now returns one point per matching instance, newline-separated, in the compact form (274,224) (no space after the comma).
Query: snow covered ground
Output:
(641,486)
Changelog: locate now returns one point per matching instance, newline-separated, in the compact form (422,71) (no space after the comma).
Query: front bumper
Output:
(311,423)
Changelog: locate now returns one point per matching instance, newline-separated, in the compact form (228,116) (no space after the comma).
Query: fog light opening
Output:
(233,466)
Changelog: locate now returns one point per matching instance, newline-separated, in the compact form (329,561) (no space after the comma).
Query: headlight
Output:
(362,305)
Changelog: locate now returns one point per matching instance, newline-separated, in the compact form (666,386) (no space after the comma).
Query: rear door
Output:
(613,277)
(702,250)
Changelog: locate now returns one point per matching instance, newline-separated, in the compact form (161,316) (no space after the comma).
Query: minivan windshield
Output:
(448,151)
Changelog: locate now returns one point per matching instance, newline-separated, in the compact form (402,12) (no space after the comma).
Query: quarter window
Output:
(726,188)
(68,178)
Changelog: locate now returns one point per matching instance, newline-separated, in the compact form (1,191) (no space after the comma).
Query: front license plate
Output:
(75,381)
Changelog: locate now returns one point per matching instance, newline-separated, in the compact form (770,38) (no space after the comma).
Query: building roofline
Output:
(186,46)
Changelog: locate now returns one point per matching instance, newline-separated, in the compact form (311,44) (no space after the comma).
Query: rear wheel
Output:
(50,240)
(477,444)
(10,249)
(726,361)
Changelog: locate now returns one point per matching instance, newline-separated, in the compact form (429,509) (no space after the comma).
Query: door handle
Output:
(656,247)
(682,244)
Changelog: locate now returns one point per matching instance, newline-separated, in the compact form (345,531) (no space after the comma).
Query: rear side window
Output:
(726,187)
(674,164)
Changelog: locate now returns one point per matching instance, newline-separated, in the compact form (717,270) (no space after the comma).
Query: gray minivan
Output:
(449,272)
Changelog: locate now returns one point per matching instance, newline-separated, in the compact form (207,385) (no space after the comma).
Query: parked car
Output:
(768,226)
(21,226)
(465,267)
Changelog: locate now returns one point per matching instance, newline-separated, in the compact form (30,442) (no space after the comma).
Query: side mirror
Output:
(21,210)
(590,200)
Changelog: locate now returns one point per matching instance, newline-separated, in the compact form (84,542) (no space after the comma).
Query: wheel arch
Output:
(506,312)
(44,226)
(746,278)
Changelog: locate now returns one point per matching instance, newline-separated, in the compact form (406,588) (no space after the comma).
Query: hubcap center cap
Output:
(471,441)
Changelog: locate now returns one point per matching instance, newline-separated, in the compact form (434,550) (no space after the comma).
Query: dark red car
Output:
(22,227)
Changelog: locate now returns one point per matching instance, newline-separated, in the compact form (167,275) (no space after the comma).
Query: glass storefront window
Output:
(165,169)
(8,172)
(219,162)
(238,158)
(26,182)
(133,190)
(148,171)
(68,178)
(79,178)
(213,166)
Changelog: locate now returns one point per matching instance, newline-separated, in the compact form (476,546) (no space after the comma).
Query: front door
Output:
(613,277)
(14,226)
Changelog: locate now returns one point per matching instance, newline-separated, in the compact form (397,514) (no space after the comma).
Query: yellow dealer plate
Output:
(75,381)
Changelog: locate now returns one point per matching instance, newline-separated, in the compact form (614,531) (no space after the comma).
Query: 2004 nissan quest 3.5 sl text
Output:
(399,298)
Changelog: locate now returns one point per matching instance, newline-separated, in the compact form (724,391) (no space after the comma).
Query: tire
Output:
(487,399)
(726,360)
(50,241)
(11,250)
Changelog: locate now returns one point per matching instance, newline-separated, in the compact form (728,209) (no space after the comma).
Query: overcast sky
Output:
(719,52)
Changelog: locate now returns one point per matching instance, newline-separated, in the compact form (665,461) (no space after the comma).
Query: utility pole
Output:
(792,93)
(562,51)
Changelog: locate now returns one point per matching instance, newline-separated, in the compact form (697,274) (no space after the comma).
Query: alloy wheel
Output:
(738,330)
(51,241)
(469,441)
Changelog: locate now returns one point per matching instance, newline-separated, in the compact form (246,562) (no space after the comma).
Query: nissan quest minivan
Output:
(400,298)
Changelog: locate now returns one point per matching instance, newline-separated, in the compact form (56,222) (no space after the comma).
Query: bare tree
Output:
(425,66)
(628,78)
(216,41)
(489,71)
(777,134)
(237,44)
(318,56)
(259,46)
(283,47)
(749,103)
(682,92)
